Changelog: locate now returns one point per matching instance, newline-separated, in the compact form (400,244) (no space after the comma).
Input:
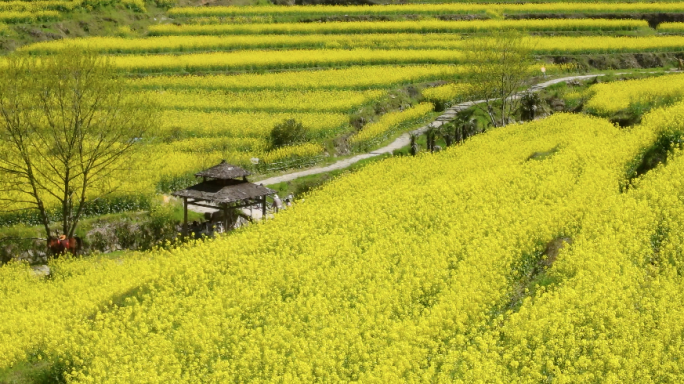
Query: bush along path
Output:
(400,142)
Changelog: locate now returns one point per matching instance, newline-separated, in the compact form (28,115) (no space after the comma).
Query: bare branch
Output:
(67,124)
(500,67)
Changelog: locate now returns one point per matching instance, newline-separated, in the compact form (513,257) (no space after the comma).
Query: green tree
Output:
(431,138)
(414,145)
(501,66)
(68,125)
(460,128)
(531,105)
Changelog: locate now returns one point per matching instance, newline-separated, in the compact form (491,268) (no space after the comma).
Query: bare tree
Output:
(501,65)
(67,125)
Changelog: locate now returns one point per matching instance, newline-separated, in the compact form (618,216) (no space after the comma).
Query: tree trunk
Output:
(490,112)
(45,219)
(65,204)
(503,100)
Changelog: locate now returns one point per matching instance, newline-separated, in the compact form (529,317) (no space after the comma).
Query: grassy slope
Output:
(80,23)
(105,21)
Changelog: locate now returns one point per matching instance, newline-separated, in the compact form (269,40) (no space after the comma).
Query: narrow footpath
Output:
(405,139)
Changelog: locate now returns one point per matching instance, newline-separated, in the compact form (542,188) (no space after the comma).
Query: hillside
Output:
(546,250)
(490,261)
(256,66)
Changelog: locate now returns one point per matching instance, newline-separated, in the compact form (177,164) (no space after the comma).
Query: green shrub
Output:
(288,132)
(159,228)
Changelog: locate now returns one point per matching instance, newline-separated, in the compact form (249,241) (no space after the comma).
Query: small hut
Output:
(224,187)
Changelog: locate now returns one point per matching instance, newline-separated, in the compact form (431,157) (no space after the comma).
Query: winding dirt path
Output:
(405,139)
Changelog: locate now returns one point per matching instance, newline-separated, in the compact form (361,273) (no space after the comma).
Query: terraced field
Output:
(443,9)
(224,76)
(545,251)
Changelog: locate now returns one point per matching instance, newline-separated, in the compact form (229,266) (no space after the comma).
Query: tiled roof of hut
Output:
(224,171)
(224,191)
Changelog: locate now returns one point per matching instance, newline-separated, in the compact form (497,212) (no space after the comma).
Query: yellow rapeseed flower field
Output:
(611,308)
(256,60)
(613,97)
(413,269)
(671,27)
(402,41)
(191,123)
(357,77)
(434,9)
(428,50)
(11,17)
(421,26)
(184,44)
(35,6)
(446,93)
(380,130)
(265,100)
(529,253)
(606,44)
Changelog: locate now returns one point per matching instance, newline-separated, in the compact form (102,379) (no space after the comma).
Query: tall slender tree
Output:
(501,66)
(68,126)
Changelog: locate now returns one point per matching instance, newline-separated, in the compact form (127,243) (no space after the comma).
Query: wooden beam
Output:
(218,208)
(263,207)
(225,216)
(205,206)
(185,217)
(248,202)
(195,201)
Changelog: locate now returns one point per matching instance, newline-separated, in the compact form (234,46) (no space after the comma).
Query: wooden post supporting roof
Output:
(185,217)
(226,223)
(263,208)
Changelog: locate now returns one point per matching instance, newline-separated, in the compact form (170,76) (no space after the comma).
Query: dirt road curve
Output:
(404,139)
